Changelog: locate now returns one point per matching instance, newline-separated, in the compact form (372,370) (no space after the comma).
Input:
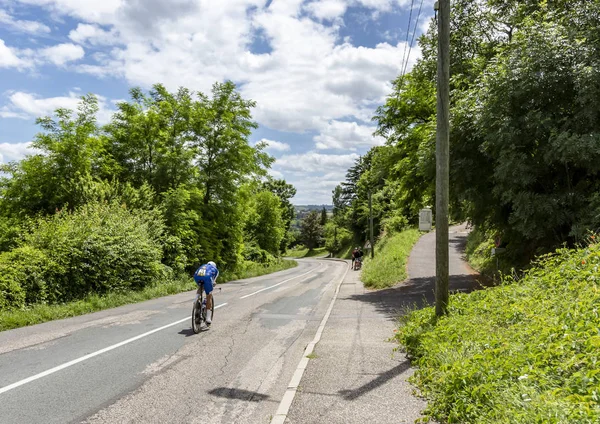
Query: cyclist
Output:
(354,257)
(207,275)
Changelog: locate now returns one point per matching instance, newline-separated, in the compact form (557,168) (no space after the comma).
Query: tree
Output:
(285,192)
(311,230)
(265,224)
(323,217)
(70,151)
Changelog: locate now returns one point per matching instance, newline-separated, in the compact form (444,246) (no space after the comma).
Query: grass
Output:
(304,252)
(527,351)
(389,265)
(37,314)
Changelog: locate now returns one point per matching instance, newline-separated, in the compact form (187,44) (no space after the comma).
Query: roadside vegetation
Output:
(525,351)
(389,265)
(38,313)
(525,172)
(304,252)
(103,215)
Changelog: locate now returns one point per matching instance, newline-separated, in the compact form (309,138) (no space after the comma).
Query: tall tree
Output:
(323,217)
(311,230)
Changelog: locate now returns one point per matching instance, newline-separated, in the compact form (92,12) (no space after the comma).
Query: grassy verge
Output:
(37,314)
(524,352)
(389,265)
(304,252)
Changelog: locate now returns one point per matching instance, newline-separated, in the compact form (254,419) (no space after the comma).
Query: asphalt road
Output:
(142,363)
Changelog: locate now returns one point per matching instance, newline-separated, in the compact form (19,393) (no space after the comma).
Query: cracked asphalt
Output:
(235,372)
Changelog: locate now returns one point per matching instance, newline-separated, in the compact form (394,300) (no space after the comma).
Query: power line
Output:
(412,3)
(412,41)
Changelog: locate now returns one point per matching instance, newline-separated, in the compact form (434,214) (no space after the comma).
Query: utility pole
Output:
(442,190)
(371,226)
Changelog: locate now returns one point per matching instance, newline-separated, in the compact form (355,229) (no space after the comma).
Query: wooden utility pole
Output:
(442,190)
(371,226)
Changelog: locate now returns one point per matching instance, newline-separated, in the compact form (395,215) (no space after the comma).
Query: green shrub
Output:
(389,265)
(253,253)
(12,295)
(34,272)
(524,352)
(395,224)
(96,249)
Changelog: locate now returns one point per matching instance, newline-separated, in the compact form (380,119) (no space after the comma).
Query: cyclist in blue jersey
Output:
(207,275)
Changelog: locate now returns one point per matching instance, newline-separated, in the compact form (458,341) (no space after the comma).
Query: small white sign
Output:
(425,219)
(367,245)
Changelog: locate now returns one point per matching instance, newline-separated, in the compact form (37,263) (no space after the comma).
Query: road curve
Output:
(142,363)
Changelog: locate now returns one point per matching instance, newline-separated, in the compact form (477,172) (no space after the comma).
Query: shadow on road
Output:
(415,293)
(238,394)
(188,332)
(375,383)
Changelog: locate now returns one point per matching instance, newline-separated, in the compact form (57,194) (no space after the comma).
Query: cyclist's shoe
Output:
(208,317)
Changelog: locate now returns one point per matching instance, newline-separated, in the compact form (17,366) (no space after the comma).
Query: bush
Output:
(12,295)
(524,352)
(96,249)
(33,272)
(395,224)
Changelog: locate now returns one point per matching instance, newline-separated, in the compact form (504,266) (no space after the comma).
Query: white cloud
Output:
(327,9)
(276,145)
(31,27)
(14,151)
(94,35)
(315,162)
(62,54)
(26,105)
(347,136)
(306,77)
(306,80)
(9,57)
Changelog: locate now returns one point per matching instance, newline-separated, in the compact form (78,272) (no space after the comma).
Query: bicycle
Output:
(199,311)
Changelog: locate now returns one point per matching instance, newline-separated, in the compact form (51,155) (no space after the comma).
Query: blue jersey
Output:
(206,274)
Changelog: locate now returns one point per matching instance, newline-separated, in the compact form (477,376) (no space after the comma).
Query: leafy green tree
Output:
(311,230)
(265,224)
(70,150)
(285,192)
(148,139)
(323,217)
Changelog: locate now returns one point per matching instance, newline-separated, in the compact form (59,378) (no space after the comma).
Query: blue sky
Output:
(317,68)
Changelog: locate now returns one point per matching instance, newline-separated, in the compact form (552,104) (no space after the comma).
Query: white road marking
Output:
(123,343)
(91,355)
(290,393)
(283,282)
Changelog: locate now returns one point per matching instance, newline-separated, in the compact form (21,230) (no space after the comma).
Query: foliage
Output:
(170,182)
(525,156)
(285,192)
(305,252)
(389,265)
(526,351)
(264,223)
(38,313)
(336,237)
(311,230)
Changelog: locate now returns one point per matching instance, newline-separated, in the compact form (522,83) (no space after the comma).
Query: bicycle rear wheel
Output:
(197,316)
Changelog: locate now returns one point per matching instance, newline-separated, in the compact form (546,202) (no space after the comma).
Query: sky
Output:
(317,69)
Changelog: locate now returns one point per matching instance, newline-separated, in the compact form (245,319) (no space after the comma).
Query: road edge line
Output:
(290,393)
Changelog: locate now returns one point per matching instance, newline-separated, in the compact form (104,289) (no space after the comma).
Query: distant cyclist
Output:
(355,256)
(207,275)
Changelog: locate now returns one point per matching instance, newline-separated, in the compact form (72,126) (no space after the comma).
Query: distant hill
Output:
(303,210)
